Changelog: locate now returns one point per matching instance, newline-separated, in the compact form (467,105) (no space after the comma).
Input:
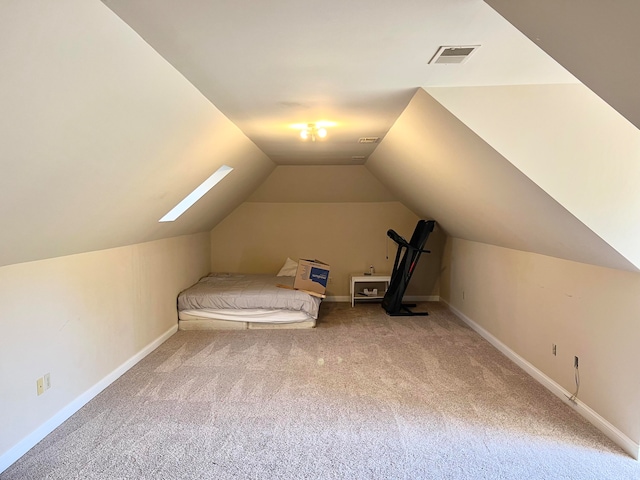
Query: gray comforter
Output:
(238,291)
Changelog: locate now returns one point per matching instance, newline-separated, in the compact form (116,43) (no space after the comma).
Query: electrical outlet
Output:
(40,386)
(463,294)
(554,350)
(575,362)
(47,381)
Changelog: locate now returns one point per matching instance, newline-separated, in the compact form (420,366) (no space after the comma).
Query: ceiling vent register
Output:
(368,139)
(453,55)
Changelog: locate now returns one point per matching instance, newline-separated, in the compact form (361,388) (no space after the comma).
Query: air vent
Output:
(450,55)
(357,157)
(368,139)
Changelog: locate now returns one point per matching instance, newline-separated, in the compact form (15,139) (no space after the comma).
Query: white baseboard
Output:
(27,443)
(417,298)
(628,445)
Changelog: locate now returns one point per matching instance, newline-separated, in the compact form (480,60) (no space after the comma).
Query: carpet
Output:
(362,396)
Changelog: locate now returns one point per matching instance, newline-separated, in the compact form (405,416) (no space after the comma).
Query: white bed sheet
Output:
(246,292)
(256,315)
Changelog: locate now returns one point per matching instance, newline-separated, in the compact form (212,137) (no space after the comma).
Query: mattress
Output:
(240,301)
(242,320)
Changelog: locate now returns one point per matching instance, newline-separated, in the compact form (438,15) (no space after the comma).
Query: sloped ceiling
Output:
(101,137)
(596,41)
(587,156)
(270,65)
(106,125)
(440,169)
(321,184)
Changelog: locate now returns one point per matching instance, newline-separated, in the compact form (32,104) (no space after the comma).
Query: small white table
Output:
(357,283)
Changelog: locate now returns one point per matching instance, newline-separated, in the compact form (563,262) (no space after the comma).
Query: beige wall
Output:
(80,318)
(258,237)
(530,301)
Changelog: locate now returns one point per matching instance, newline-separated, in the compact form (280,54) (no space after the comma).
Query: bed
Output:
(245,301)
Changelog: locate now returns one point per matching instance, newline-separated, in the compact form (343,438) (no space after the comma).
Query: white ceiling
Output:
(268,65)
(439,168)
(596,41)
(110,119)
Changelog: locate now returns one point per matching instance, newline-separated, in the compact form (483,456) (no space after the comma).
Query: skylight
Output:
(197,194)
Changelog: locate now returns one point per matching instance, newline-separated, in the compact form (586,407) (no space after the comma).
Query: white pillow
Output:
(289,269)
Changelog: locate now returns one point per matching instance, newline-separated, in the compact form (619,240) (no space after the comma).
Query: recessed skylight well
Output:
(197,194)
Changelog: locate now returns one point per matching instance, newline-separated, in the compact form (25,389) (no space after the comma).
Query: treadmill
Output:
(404,267)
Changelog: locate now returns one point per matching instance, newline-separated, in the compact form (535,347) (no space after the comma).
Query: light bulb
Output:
(322,132)
(304,134)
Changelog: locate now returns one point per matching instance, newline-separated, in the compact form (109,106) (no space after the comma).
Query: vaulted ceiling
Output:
(112,112)
(270,65)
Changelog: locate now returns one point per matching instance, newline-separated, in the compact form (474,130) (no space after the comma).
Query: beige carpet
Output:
(362,396)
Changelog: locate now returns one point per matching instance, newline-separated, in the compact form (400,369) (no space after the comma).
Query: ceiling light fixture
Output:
(313,132)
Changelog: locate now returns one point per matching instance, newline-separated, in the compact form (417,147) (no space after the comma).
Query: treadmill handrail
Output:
(401,241)
(397,238)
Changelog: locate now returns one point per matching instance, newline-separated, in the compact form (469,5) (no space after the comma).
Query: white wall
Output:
(81,318)
(530,301)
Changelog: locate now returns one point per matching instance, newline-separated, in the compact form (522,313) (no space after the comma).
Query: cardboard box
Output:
(312,275)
